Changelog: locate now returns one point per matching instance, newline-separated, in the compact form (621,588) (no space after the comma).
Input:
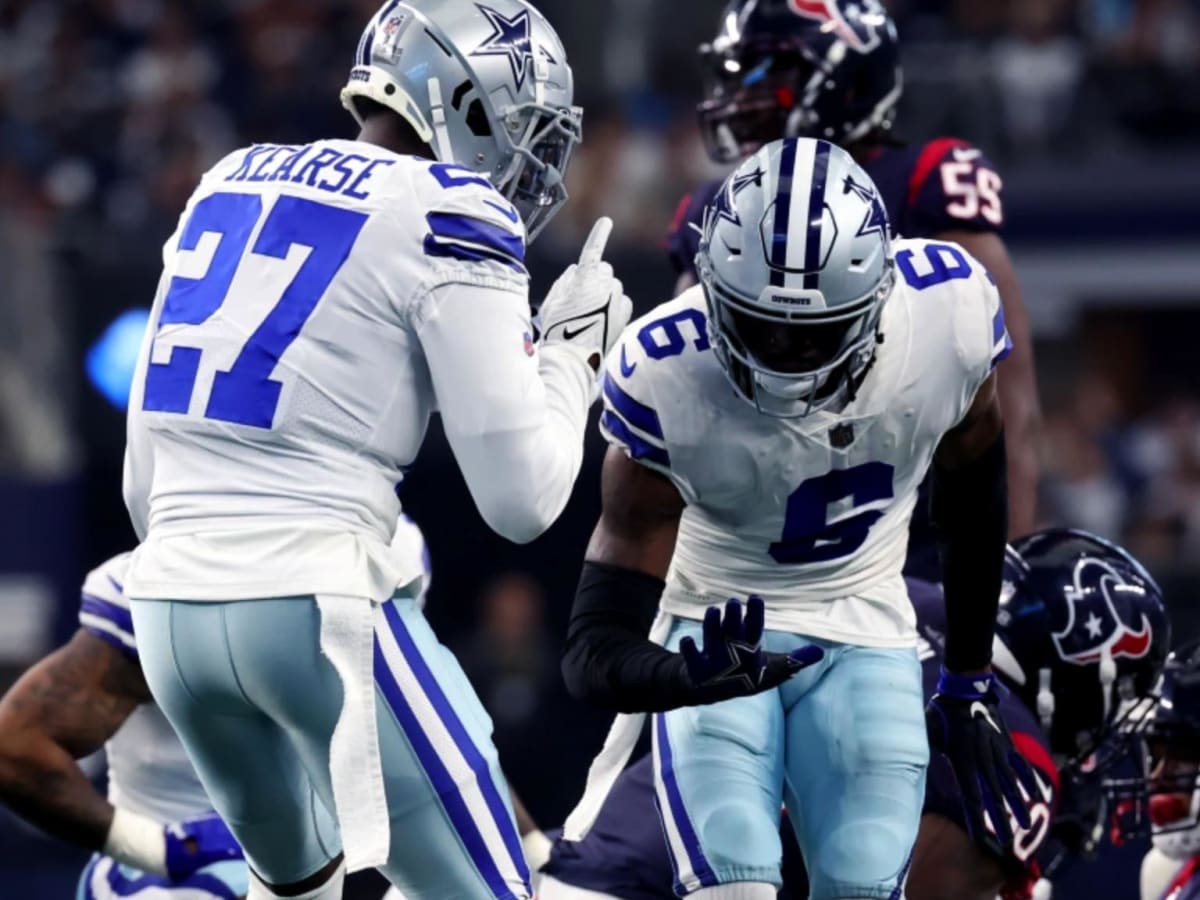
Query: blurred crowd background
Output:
(111,109)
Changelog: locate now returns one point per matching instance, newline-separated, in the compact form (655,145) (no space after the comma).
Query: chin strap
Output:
(437,117)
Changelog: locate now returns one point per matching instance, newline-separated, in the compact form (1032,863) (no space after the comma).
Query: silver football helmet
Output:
(796,264)
(485,84)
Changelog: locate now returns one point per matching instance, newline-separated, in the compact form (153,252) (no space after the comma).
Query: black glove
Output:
(963,719)
(733,663)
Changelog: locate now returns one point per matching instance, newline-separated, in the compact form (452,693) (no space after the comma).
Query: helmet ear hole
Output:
(477,120)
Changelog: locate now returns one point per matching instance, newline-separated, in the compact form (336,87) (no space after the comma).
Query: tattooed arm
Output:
(62,709)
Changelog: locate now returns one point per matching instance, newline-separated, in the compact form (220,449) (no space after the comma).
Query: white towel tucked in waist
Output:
(355,766)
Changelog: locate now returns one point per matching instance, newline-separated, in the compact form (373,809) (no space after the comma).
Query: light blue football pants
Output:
(843,743)
(255,703)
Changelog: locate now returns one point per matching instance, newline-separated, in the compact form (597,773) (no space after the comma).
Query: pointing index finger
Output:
(593,247)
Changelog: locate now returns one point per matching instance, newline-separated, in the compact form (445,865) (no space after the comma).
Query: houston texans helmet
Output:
(796,264)
(1164,797)
(798,68)
(1082,634)
(486,85)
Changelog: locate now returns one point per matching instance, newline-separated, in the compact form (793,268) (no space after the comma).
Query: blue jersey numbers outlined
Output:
(246,394)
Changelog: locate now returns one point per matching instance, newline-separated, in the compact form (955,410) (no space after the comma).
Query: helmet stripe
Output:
(783,209)
(816,215)
(368,41)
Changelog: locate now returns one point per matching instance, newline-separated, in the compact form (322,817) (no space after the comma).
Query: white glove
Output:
(587,308)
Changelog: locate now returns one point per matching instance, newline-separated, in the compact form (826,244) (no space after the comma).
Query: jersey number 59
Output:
(221,226)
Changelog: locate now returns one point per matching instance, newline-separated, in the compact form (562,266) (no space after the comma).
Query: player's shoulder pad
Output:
(953,286)
(647,375)
(468,220)
(953,185)
(103,607)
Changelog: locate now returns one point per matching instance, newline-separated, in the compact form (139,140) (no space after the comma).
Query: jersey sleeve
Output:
(683,238)
(103,608)
(954,187)
(634,402)
(981,334)
(470,226)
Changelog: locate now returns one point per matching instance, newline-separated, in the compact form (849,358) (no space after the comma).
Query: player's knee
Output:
(740,842)
(862,859)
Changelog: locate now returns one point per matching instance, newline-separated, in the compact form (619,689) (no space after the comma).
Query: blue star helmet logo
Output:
(724,207)
(510,38)
(876,220)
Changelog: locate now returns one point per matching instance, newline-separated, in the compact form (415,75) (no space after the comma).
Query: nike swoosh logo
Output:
(569,335)
(979,711)
(507,211)
(120,588)
(963,154)
(626,368)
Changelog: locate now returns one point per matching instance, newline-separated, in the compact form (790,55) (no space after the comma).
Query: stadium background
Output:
(110,110)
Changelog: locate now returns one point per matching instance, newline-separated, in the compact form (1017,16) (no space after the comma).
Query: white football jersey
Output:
(148,770)
(282,389)
(811,514)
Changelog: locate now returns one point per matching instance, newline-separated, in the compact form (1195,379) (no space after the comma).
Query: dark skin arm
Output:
(639,520)
(948,865)
(979,429)
(1018,382)
(62,709)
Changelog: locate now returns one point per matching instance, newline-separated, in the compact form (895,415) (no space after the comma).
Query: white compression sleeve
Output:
(515,421)
(137,841)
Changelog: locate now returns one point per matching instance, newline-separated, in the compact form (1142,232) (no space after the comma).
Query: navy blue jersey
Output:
(625,854)
(1186,885)
(928,189)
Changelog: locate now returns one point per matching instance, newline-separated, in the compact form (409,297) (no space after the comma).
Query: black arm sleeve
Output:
(970,509)
(609,660)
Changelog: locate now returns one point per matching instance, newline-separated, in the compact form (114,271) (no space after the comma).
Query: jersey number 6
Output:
(809,536)
(246,394)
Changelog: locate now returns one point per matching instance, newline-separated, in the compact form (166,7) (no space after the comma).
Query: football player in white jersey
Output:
(90,694)
(769,428)
(156,835)
(317,304)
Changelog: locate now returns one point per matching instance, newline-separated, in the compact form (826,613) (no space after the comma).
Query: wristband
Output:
(137,841)
(966,687)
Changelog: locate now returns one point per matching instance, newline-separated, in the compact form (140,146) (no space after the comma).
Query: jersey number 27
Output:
(246,394)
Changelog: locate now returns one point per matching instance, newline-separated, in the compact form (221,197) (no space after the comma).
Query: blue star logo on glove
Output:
(510,38)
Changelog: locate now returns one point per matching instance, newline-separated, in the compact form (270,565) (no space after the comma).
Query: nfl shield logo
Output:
(529,345)
(841,436)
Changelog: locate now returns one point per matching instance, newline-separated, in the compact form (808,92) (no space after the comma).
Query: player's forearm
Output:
(609,661)
(970,508)
(43,784)
(1019,402)
(515,419)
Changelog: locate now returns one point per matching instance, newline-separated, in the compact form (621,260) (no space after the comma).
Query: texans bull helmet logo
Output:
(859,31)
(1099,616)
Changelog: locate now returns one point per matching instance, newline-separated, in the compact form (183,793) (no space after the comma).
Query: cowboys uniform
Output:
(799,489)
(149,772)
(319,302)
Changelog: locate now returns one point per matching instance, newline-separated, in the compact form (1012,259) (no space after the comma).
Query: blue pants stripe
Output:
(449,792)
(678,812)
